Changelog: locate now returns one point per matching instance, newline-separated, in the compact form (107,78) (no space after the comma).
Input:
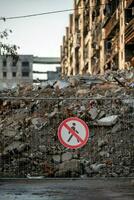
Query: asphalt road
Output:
(119,189)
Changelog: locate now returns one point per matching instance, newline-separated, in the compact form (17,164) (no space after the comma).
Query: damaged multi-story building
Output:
(100,36)
(15,70)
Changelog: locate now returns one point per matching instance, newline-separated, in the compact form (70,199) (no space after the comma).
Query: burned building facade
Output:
(100,37)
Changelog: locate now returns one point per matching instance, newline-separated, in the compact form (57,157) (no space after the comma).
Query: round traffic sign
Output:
(73,133)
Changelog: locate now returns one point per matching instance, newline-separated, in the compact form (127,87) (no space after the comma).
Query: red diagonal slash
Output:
(73,133)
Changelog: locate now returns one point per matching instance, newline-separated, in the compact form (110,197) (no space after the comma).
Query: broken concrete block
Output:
(82,108)
(56,159)
(69,167)
(38,123)
(129,102)
(108,121)
(52,114)
(9,133)
(61,84)
(15,145)
(82,92)
(97,167)
(74,81)
(102,142)
(116,128)
(93,112)
(101,114)
(43,148)
(66,156)
(104,154)
(22,147)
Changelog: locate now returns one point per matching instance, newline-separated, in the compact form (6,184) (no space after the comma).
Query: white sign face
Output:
(73,133)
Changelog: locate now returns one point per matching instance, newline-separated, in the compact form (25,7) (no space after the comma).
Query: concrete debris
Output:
(93,112)
(104,154)
(29,123)
(15,146)
(38,123)
(56,158)
(66,156)
(97,167)
(42,148)
(129,102)
(82,92)
(108,121)
(102,142)
(74,81)
(34,177)
(69,168)
(116,128)
(131,85)
(61,84)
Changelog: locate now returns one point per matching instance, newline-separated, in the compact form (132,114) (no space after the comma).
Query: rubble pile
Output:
(30,117)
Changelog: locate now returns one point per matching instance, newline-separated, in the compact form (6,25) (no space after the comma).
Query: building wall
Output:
(102,35)
(15,71)
(54,75)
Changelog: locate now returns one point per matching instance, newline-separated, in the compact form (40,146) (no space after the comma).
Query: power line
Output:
(36,14)
(48,13)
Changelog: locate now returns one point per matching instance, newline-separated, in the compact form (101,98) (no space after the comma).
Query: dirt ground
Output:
(67,189)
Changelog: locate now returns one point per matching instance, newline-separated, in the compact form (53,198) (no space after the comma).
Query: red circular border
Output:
(60,133)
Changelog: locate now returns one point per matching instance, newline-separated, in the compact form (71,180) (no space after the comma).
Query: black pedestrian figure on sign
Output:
(74,128)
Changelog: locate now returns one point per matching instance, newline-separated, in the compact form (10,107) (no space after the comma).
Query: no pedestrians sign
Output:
(73,133)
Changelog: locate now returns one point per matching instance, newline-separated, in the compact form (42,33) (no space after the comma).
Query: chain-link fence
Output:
(29,145)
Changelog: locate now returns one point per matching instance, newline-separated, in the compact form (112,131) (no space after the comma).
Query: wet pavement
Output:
(67,189)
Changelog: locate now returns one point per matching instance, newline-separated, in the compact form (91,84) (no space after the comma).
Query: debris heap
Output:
(30,116)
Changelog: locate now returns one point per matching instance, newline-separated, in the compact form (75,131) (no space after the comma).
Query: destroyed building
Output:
(100,36)
(15,70)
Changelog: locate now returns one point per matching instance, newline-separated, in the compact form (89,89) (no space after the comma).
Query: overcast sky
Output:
(40,36)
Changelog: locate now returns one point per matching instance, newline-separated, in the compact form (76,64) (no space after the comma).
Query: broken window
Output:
(128,15)
(93,15)
(110,7)
(4,63)
(85,70)
(86,52)
(25,67)
(121,21)
(122,38)
(4,74)
(14,74)
(107,10)
(108,45)
(14,63)
(25,74)
(25,64)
